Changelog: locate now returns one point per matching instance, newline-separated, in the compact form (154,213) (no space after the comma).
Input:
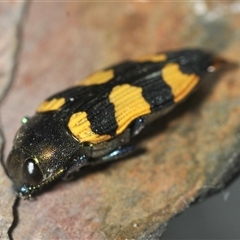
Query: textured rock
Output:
(11,17)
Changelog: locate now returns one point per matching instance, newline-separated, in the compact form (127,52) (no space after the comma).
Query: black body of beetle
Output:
(93,121)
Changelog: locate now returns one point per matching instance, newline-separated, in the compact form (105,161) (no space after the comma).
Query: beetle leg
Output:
(75,166)
(137,126)
(114,155)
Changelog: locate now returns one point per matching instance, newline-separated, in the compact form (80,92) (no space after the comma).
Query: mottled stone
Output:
(11,17)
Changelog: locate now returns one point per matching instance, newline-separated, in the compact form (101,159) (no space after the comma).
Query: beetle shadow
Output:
(192,104)
(86,171)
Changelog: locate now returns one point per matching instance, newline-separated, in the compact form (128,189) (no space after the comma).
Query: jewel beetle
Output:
(94,120)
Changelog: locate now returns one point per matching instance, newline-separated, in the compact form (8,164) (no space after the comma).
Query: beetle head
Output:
(41,152)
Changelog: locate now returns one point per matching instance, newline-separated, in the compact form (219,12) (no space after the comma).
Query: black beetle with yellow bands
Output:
(93,121)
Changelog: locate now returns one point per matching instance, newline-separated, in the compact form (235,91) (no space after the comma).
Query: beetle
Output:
(93,121)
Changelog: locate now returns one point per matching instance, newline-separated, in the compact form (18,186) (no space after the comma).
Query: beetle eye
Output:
(31,172)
